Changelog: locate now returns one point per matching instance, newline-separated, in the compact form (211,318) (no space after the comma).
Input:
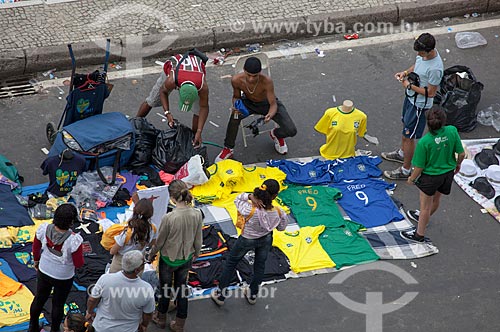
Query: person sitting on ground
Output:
(256,92)
(143,234)
(77,323)
(435,165)
(124,302)
(256,235)
(187,74)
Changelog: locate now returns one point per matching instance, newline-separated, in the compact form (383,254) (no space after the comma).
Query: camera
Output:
(413,78)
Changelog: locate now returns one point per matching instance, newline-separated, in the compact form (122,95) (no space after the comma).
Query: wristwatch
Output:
(166,112)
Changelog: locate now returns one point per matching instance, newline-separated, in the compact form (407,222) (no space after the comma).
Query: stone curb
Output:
(33,60)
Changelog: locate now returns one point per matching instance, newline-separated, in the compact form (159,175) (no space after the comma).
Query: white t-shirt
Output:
(61,268)
(131,245)
(123,301)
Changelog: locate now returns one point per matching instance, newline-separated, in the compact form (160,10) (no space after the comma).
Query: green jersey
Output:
(346,246)
(435,153)
(313,205)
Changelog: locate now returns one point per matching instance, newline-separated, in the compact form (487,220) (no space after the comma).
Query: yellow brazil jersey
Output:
(254,176)
(303,249)
(223,176)
(341,130)
(15,301)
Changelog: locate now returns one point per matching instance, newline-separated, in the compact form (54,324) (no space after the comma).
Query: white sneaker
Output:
(279,143)
(226,153)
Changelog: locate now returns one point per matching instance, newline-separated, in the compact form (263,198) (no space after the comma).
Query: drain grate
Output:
(16,86)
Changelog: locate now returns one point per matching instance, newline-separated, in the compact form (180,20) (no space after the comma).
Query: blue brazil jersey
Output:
(360,167)
(366,201)
(310,173)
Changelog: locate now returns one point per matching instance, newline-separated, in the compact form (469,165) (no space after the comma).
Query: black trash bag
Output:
(459,98)
(145,141)
(174,147)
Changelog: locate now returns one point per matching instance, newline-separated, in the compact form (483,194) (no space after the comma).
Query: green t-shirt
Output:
(346,246)
(435,153)
(313,205)
(177,262)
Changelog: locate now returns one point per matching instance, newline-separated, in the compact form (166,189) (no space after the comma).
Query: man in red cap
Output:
(187,74)
(256,93)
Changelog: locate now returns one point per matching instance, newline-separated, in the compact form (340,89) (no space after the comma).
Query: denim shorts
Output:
(413,120)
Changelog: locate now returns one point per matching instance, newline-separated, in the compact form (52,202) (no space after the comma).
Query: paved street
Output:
(458,289)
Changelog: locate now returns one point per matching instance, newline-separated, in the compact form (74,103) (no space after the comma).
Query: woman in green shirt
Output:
(435,164)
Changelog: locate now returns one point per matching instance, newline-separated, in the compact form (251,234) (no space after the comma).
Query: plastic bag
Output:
(489,115)
(145,140)
(174,147)
(469,39)
(458,95)
(193,173)
(91,193)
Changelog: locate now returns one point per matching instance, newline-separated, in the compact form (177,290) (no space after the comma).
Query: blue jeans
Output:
(261,246)
(180,289)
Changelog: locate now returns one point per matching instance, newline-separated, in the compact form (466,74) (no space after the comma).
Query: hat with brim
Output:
(496,147)
(497,203)
(493,174)
(485,158)
(188,94)
(483,187)
(468,168)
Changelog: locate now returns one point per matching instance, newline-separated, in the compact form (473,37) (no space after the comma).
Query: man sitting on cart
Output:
(187,74)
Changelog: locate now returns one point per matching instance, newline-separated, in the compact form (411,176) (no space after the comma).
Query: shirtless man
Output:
(256,92)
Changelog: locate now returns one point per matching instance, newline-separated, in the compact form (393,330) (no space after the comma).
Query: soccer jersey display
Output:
(341,130)
(360,167)
(346,246)
(224,175)
(310,173)
(254,176)
(303,249)
(313,205)
(366,201)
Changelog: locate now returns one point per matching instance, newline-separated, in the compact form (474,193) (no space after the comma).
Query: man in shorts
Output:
(419,98)
(256,92)
(185,73)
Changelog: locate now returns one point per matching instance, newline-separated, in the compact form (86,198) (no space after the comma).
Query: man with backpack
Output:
(185,73)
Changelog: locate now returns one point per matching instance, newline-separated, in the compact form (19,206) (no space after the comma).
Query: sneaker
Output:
(279,143)
(396,174)
(413,215)
(217,297)
(226,153)
(392,156)
(252,299)
(412,236)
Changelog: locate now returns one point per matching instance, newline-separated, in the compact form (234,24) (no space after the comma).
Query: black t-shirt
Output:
(277,266)
(62,173)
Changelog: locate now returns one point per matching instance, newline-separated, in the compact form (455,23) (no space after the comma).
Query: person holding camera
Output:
(421,82)
(185,73)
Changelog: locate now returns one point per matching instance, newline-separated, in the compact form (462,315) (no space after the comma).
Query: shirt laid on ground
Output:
(342,131)
(180,234)
(309,173)
(346,246)
(62,173)
(303,249)
(430,72)
(254,176)
(313,205)
(360,167)
(262,221)
(435,153)
(366,201)
(123,301)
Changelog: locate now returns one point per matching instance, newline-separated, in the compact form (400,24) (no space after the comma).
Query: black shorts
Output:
(429,184)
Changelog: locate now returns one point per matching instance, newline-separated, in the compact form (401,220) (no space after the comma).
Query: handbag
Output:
(103,140)
(241,220)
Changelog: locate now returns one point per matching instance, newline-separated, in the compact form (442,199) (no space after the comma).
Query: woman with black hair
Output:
(77,323)
(57,251)
(261,219)
(138,235)
(438,157)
